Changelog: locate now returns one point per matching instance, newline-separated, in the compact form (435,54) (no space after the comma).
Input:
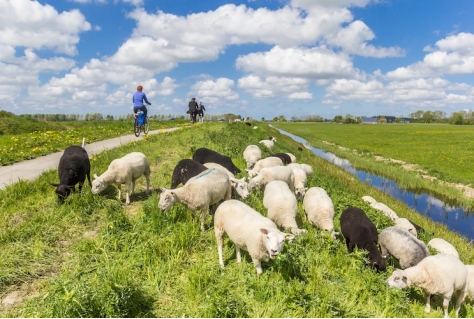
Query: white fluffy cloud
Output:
(273,86)
(215,92)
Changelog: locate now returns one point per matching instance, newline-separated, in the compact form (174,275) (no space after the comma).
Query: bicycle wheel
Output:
(146,126)
(136,128)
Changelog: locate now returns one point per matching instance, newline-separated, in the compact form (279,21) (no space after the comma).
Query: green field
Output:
(95,257)
(439,150)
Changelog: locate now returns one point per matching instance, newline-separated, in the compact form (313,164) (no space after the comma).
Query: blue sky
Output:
(255,58)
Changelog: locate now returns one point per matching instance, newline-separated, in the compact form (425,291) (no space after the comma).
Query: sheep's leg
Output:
(445,306)
(427,303)
(258,266)
(147,183)
(237,254)
(204,213)
(220,243)
(127,193)
(133,187)
(460,298)
(119,186)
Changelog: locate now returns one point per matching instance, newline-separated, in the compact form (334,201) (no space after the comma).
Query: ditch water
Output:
(455,218)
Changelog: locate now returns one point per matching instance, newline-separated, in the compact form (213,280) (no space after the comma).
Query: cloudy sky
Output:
(258,58)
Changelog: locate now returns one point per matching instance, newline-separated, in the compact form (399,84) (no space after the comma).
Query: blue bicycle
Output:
(141,123)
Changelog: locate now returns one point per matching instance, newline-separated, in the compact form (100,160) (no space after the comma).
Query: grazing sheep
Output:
(281,206)
(443,247)
(292,157)
(407,225)
(359,231)
(308,169)
(381,206)
(439,274)
(252,154)
(73,168)
(184,170)
(205,155)
(285,158)
(248,230)
(274,173)
(125,170)
(264,162)
(319,209)
(401,244)
(239,185)
(270,143)
(300,179)
(470,280)
(201,191)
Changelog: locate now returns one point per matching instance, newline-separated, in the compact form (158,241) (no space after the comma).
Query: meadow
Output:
(31,139)
(431,155)
(95,257)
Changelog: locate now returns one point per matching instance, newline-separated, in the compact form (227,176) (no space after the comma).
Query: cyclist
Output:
(137,99)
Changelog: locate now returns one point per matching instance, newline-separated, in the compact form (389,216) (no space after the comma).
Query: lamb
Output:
(285,158)
(300,179)
(381,206)
(402,245)
(239,185)
(252,154)
(407,225)
(201,191)
(74,166)
(441,274)
(270,143)
(125,170)
(268,174)
(264,162)
(205,155)
(248,230)
(281,206)
(360,231)
(443,247)
(319,209)
(184,170)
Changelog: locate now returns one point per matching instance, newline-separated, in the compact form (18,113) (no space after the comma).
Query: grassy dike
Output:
(96,257)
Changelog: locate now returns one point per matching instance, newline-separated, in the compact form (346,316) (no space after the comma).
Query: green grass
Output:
(438,150)
(96,257)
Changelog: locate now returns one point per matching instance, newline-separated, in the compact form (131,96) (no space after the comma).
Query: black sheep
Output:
(359,231)
(205,155)
(184,170)
(285,158)
(73,168)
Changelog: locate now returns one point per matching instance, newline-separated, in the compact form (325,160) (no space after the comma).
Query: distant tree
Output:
(338,119)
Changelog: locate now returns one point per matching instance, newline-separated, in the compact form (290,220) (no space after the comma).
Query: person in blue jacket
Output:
(137,99)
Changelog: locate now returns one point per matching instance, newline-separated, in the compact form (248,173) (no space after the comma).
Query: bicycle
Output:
(141,123)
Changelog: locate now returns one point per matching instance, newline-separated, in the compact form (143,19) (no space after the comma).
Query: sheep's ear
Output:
(264,231)
(162,189)
(95,176)
(54,184)
(234,182)
(290,237)
(405,279)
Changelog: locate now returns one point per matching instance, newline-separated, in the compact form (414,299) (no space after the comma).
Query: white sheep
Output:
(239,185)
(470,280)
(300,179)
(381,206)
(270,143)
(264,162)
(252,154)
(248,230)
(402,245)
(281,206)
(319,209)
(441,274)
(443,247)
(125,170)
(308,169)
(274,173)
(406,224)
(201,191)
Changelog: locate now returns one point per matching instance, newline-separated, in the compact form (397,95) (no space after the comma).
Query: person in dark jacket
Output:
(192,110)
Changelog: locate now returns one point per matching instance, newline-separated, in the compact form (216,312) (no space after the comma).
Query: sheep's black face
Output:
(63,191)
(379,265)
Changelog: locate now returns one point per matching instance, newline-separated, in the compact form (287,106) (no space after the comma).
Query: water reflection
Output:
(455,218)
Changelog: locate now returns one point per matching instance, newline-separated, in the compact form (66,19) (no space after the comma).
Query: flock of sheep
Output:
(208,181)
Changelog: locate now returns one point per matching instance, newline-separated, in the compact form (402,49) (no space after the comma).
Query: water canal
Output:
(455,218)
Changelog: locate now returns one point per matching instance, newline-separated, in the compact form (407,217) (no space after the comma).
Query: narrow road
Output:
(32,169)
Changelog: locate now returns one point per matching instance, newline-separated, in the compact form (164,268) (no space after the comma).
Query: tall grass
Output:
(95,257)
